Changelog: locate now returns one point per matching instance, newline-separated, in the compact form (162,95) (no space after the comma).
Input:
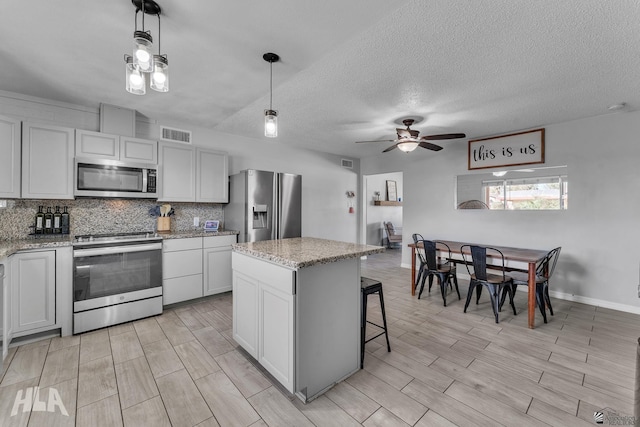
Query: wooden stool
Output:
(368,287)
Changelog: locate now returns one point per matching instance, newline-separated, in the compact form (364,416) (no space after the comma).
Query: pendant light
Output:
(143,61)
(270,115)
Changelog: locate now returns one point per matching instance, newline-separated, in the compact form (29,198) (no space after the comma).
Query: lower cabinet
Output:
(196,267)
(263,314)
(33,288)
(181,270)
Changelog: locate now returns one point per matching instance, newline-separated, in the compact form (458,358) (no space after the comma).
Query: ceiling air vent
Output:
(347,163)
(175,135)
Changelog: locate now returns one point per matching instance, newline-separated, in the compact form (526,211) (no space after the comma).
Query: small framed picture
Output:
(211,225)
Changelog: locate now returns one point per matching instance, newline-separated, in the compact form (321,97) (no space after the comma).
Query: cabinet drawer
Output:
(181,244)
(278,277)
(218,241)
(182,263)
(181,289)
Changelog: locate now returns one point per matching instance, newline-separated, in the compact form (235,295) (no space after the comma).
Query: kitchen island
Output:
(296,309)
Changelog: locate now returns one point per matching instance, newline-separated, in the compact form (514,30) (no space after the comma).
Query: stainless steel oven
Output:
(116,279)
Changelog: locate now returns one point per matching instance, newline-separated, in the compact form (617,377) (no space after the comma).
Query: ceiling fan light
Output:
(134,79)
(160,75)
(408,146)
(142,56)
(270,123)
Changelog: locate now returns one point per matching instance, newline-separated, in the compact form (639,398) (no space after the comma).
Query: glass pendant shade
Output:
(160,75)
(142,56)
(270,123)
(407,146)
(135,81)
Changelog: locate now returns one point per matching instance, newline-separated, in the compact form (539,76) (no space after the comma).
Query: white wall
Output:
(376,215)
(599,232)
(324,181)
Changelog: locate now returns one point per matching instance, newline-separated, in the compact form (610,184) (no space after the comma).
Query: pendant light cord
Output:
(159,51)
(271,85)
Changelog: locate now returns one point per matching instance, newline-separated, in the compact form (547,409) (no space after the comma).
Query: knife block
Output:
(164,223)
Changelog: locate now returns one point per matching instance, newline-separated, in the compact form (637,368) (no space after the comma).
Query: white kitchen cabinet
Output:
(181,270)
(98,145)
(10,137)
(177,174)
(47,161)
(7,320)
(33,288)
(268,330)
(212,176)
(217,264)
(138,150)
(193,174)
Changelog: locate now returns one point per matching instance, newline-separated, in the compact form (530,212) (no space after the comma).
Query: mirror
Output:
(542,188)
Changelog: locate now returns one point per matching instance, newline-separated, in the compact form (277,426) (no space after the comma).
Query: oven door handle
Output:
(110,250)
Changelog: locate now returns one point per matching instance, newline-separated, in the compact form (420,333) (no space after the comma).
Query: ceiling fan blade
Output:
(390,148)
(444,136)
(430,146)
(380,140)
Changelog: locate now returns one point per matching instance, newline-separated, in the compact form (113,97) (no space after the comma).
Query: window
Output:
(540,193)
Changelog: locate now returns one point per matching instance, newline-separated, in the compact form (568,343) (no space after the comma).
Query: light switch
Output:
(196,221)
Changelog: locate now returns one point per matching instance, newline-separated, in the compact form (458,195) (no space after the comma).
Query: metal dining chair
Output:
(445,272)
(544,271)
(420,252)
(495,283)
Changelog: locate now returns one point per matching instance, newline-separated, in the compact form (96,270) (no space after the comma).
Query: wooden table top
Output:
(514,254)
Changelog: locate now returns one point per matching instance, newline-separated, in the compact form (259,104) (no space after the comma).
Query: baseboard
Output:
(575,298)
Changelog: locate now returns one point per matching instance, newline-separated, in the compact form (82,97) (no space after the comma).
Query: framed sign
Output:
(392,191)
(522,148)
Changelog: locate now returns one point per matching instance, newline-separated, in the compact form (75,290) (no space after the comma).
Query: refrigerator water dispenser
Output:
(260,219)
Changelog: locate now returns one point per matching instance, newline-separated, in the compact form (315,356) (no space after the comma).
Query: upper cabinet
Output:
(193,174)
(47,161)
(212,176)
(98,145)
(10,136)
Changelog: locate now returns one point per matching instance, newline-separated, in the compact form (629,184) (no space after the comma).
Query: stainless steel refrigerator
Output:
(264,205)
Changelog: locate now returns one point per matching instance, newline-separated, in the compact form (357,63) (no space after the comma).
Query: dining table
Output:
(529,256)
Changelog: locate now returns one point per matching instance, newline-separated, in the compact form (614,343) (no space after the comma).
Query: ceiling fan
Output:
(408,139)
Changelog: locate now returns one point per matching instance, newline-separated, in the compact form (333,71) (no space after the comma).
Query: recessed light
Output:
(617,107)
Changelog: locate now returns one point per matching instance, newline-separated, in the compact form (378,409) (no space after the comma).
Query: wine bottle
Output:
(39,221)
(64,221)
(48,221)
(57,218)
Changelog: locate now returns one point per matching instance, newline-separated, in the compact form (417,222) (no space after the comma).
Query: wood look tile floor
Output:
(445,368)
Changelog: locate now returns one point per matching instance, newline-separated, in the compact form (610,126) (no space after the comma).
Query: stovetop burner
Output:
(116,237)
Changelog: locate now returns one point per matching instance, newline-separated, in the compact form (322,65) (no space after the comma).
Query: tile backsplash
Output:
(94,216)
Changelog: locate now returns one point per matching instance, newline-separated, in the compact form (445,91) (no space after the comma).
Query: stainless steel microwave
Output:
(110,178)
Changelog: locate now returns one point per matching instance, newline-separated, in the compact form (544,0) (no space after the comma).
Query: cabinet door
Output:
(217,270)
(34,289)
(245,312)
(138,150)
(181,289)
(97,145)
(10,137)
(212,176)
(276,333)
(177,174)
(47,162)
(7,320)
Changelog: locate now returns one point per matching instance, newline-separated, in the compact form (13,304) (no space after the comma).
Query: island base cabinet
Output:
(263,315)
(302,326)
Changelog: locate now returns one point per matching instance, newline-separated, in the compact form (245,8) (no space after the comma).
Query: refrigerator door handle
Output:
(275,217)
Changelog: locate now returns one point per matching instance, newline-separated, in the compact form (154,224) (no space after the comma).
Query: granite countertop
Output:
(9,247)
(304,251)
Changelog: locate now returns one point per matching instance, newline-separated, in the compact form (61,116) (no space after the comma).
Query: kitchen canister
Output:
(164,223)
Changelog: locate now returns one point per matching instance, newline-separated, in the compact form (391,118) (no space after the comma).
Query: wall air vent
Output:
(347,163)
(175,135)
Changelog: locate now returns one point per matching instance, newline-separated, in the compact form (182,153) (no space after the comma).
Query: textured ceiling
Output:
(350,70)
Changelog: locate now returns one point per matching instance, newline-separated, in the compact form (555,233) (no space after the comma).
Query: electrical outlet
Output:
(196,221)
